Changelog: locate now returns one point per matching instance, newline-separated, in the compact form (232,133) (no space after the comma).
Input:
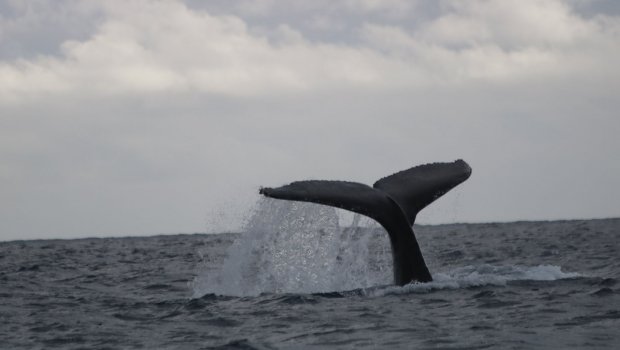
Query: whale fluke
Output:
(414,189)
(393,201)
(352,196)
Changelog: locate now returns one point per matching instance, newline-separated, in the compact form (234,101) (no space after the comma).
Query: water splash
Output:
(293,247)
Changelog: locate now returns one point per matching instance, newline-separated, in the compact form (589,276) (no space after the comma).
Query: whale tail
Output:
(393,201)
(414,189)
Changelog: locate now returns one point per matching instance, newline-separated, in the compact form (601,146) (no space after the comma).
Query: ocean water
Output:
(298,277)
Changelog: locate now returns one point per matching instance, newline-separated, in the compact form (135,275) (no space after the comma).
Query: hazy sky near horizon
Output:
(136,117)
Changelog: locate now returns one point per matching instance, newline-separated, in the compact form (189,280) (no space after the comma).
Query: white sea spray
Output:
(293,247)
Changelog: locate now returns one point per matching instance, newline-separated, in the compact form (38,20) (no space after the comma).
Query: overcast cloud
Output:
(145,117)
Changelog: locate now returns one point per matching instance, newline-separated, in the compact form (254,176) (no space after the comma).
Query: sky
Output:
(142,117)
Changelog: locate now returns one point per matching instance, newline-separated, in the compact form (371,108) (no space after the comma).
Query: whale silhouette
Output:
(393,201)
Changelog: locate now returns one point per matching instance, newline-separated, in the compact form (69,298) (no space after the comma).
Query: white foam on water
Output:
(476,276)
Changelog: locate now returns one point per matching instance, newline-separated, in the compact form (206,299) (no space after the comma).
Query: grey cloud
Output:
(32,28)
(154,123)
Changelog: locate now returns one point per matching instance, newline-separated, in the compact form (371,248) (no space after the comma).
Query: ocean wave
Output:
(458,278)
(477,276)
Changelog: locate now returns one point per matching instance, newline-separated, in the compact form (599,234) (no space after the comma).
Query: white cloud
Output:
(397,8)
(511,24)
(161,112)
(269,8)
(505,41)
(167,47)
(145,46)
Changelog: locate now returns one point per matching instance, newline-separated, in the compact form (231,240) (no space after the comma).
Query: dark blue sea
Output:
(300,277)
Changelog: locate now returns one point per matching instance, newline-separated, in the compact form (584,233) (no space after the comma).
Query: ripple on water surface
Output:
(517,285)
